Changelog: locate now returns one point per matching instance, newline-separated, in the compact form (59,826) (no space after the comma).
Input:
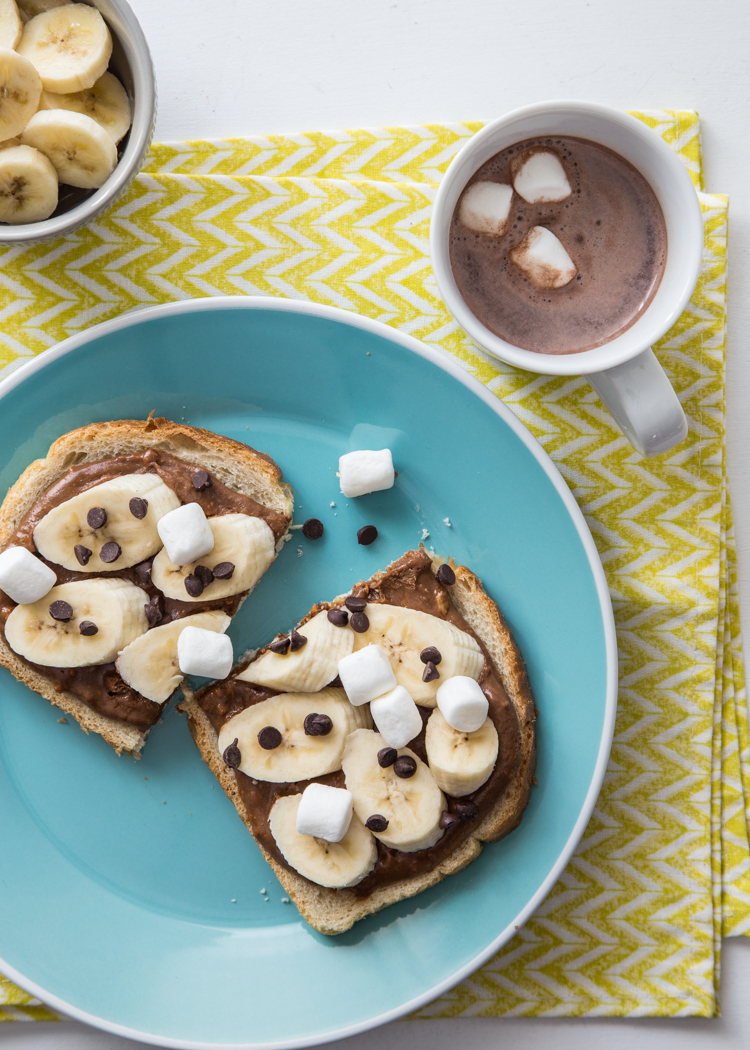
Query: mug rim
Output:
(627,344)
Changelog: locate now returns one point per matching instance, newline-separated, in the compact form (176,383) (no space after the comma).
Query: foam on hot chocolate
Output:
(610,226)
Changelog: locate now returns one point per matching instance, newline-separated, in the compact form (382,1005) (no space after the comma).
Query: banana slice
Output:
(83,153)
(297,755)
(78,624)
(149,664)
(332,864)
(404,633)
(460,762)
(10,24)
(240,540)
(69,45)
(28,186)
(106,102)
(308,669)
(20,90)
(412,805)
(74,533)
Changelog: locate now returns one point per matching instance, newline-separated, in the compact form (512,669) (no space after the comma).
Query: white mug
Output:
(624,371)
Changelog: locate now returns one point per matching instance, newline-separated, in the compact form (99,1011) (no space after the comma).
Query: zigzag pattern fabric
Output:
(634,925)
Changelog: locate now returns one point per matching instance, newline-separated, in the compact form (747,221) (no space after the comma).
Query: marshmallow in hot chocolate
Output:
(543,258)
(485,207)
(538,175)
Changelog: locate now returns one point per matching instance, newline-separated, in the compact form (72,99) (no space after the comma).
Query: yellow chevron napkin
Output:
(634,925)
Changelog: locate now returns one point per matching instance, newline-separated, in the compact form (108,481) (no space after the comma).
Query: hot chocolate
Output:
(575,290)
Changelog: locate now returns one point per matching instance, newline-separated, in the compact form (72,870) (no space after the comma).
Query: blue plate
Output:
(133,897)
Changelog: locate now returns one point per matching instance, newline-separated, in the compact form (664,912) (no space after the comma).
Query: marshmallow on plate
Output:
(186,534)
(539,176)
(543,258)
(366,471)
(366,674)
(24,578)
(485,207)
(397,717)
(204,653)
(325,812)
(463,704)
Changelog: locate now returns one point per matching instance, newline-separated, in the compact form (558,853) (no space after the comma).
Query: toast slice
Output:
(332,911)
(239,467)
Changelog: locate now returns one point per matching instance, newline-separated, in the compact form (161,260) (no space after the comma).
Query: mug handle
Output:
(643,403)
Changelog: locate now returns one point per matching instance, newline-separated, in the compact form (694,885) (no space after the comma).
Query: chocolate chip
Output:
(446,575)
(87,627)
(281,646)
(224,570)
(339,617)
(446,819)
(138,507)
(96,517)
(296,641)
(355,604)
(154,609)
(110,552)
(269,738)
(143,571)
(359,623)
(204,574)
(430,673)
(318,725)
(313,529)
(232,755)
(82,554)
(405,767)
(367,535)
(466,811)
(61,611)
(431,655)
(387,756)
(201,480)
(193,585)
(377,822)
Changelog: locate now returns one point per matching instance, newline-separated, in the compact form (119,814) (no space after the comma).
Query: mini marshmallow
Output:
(463,703)
(397,717)
(186,534)
(541,177)
(24,578)
(204,653)
(366,471)
(365,674)
(325,812)
(543,258)
(485,207)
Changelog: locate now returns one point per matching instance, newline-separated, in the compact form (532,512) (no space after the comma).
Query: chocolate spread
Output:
(100,686)
(410,583)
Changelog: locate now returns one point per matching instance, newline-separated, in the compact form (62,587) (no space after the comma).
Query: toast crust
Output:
(335,911)
(238,466)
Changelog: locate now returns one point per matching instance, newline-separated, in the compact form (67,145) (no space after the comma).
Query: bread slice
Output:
(236,465)
(334,911)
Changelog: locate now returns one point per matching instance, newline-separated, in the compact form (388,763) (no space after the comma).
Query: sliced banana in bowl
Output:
(69,45)
(149,664)
(460,762)
(294,736)
(331,864)
(404,634)
(106,102)
(308,668)
(404,793)
(78,624)
(82,152)
(243,549)
(110,526)
(28,185)
(20,90)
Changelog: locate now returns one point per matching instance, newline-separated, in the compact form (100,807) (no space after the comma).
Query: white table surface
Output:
(238,67)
